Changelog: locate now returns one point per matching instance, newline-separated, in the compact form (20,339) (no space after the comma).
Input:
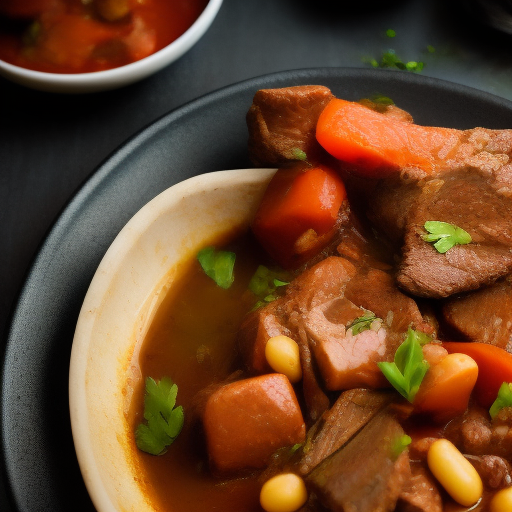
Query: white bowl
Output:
(127,288)
(117,77)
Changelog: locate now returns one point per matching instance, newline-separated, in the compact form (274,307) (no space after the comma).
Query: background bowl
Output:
(129,284)
(117,77)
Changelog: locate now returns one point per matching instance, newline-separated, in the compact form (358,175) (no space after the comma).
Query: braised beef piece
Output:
(484,315)
(282,123)
(471,432)
(474,433)
(366,475)
(467,200)
(349,414)
(496,472)
(420,493)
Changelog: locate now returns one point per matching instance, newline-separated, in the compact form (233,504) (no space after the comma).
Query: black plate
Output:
(206,135)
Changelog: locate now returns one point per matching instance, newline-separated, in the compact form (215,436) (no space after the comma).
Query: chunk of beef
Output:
(466,200)
(420,493)
(316,400)
(496,472)
(347,360)
(282,122)
(376,291)
(484,315)
(501,442)
(471,432)
(246,421)
(366,475)
(349,414)
(258,326)
(319,284)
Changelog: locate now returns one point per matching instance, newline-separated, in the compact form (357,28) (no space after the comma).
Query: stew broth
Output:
(191,340)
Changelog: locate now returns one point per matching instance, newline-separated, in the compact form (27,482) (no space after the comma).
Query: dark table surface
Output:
(50,144)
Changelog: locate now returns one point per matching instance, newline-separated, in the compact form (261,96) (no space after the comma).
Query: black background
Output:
(50,144)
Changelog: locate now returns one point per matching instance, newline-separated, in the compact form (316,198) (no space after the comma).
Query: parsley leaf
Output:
(218,265)
(445,235)
(389,59)
(408,369)
(362,323)
(164,421)
(504,399)
(264,284)
(298,154)
(399,445)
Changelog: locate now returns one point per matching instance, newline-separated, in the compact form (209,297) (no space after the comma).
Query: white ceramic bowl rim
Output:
(132,71)
(124,294)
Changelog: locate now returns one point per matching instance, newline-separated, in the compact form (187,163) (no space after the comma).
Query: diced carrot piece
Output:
(494,368)
(247,421)
(298,213)
(447,386)
(377,144)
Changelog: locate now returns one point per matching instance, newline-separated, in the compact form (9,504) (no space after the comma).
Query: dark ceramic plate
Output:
(206,135)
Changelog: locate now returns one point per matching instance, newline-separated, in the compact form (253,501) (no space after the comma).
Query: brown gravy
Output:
(191,340)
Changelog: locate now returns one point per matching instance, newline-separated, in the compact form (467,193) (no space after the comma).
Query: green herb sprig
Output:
(399,445)
(264,284)
(362,323)
(389,59)
(407,370)
(163,421)
(504,399)
(219,265)
(298,154)
(444,236)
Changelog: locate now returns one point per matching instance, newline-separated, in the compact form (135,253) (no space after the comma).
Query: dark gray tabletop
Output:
(50,144)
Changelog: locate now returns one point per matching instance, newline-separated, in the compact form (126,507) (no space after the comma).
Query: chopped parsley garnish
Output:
(264,284)
(299,154)
(362,323)
(389,59)
(406,372)
(218,265)
(445,235)
(504,399)
(380,99)
(163,420)
(399,445)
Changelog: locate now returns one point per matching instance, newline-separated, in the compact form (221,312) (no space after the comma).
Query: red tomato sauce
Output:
(75,36)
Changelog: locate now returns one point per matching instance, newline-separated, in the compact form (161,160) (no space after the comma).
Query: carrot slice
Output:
(298,213)
(447,386)
(494,368)
(378,145)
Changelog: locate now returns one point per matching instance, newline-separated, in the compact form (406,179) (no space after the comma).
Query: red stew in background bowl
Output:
(82,36)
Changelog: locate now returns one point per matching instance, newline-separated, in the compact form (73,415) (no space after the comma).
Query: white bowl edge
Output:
(123,294)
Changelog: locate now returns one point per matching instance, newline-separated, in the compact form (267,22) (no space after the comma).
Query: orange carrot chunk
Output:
(376,144)
(297,216)
(247,421)
(494,366)
(447,386)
